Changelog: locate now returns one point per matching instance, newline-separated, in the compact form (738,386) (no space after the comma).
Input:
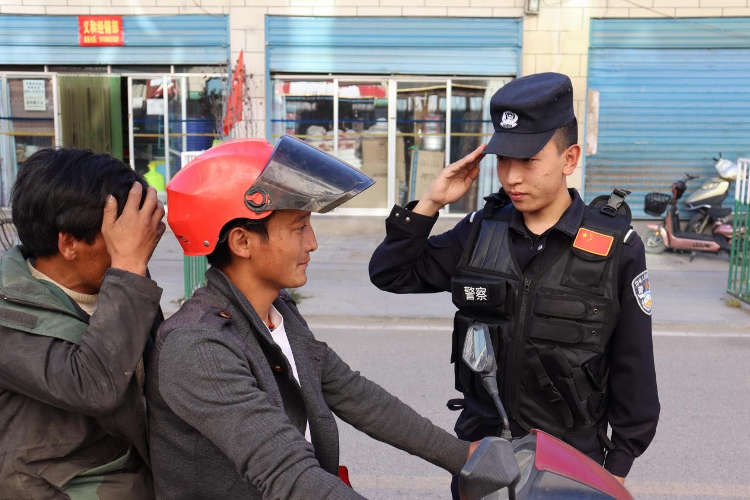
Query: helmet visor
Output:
(301,177)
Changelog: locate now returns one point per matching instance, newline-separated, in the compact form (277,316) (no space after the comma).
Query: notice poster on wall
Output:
(34,95)
(155,106)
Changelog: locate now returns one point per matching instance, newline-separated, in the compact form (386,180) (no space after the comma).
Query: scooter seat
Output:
(719,212)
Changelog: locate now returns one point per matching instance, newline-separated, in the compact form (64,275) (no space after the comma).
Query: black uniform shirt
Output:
(407,261)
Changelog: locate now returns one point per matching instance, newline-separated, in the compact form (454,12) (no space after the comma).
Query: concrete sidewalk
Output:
(687,295)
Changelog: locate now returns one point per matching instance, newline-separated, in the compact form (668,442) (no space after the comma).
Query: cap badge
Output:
(510,120)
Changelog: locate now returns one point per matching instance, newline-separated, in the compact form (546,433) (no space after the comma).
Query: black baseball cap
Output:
(527,111)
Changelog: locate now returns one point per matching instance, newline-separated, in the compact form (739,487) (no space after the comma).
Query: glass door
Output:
(148,125)
(169,115)
(362,139)
(420,126)
(471,125)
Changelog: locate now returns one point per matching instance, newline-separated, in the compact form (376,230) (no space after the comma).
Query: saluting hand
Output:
(132,237)
(452,183)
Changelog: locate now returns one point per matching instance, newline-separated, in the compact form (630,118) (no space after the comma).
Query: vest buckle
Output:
(615,201)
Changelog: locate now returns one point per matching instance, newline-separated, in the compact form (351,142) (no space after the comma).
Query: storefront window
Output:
(148,120)
(471,125)
(304,109)
(420,124)
(27,121)
(423,142)
(363,137)
(196,115)
(148,125)
(194,107)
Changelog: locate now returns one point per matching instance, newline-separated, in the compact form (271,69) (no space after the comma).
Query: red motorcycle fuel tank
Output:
(552,469)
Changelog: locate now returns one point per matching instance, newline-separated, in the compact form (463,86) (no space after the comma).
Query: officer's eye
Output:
(302,227)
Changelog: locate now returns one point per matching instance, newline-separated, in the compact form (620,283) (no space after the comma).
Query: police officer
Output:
(562,286)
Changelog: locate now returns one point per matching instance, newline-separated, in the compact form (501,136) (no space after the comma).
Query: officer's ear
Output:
(571,157)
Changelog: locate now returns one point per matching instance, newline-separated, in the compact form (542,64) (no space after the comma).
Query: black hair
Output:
(64,190)
(221,256)
(566,136)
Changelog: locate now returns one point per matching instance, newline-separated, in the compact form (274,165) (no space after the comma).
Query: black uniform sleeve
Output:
(634,404)
(407,261)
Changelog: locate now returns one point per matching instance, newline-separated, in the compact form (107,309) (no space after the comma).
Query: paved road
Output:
(701,450)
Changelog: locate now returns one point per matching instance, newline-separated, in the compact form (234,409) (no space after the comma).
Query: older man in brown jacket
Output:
(75,317)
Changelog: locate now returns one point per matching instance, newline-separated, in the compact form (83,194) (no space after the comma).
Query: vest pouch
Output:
(542,389)
(572,384)
(597,373)
(488,295)
(570,319)
(563,389)
(586,271)
(467,381)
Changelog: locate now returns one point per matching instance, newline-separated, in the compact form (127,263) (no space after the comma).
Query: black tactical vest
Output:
(549,334)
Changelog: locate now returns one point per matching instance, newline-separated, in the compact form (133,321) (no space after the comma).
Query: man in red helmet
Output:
(241,394)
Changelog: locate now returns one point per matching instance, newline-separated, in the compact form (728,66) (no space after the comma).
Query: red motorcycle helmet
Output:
(248,178)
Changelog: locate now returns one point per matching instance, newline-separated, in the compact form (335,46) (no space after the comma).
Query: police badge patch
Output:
(509,120)
(642,292)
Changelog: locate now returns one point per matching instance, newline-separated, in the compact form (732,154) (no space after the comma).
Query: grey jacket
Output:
(72,421)
(227,417)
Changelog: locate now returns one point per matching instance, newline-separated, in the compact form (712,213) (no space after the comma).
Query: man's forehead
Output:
(299,215)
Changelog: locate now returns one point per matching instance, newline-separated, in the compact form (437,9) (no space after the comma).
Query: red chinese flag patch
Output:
(593,242)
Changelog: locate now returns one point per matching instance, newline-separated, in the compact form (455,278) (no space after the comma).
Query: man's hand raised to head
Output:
(452,183)
(132,237)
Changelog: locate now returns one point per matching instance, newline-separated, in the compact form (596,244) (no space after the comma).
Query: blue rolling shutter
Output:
(394,45)
(148,40)
(673,94)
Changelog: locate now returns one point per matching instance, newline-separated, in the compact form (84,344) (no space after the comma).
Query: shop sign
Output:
(34,95)
(100,31)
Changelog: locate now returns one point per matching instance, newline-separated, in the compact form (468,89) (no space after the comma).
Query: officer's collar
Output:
(569,222)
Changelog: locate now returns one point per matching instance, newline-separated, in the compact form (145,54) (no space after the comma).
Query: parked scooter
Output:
(708,198)
(536,466)
(668,233)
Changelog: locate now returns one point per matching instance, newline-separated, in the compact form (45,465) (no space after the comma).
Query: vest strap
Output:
(471,424)
(604,439)
(549,389)
(582,385)
(456,404)
(616,199)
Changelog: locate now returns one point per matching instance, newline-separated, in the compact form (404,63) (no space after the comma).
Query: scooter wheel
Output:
(655,243)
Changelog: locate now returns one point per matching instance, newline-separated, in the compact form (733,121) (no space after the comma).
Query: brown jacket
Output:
(72,416)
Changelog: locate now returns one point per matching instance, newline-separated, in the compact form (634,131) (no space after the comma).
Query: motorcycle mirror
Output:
(480,358)
(491,467)
(478,354)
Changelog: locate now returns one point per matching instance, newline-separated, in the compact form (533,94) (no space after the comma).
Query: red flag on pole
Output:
(233,113)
